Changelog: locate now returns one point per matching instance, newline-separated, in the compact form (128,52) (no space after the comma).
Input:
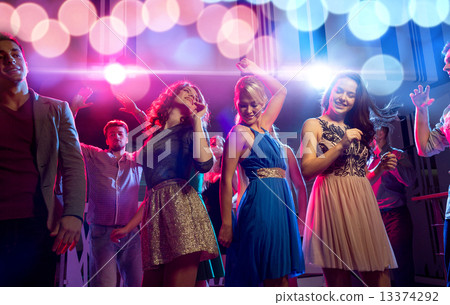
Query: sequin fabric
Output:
(175,223)
(274,172)
(352,162)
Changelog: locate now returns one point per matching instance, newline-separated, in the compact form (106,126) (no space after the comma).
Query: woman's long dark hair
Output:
(363,111)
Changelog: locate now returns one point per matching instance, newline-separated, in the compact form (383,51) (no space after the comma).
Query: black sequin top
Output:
(354,159)
(169,155)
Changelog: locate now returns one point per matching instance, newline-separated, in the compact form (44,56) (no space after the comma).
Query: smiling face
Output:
(188,97)
(249,110)
(342,97)
(13,67)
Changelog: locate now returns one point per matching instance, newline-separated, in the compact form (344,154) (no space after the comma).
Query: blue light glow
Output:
(383,74)
(369,20)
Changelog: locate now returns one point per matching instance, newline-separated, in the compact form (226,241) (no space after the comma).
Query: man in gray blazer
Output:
(38,146)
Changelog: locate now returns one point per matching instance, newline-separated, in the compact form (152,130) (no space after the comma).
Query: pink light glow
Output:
(6,23)
(114,73)
(236,31)
(242,13)
(160,15)
(191,11)
(55,41)
(232,50)
(208,25)
(235,38)
(78,16)
(130,13)
(264,48)
(28,15)
(136,84)
(107,38)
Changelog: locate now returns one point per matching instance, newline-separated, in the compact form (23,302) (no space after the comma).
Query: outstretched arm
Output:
(277,90)
(421,100)
(79,100)
(129,106)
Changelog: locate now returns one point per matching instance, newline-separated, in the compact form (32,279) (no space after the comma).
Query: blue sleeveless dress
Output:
(266,242)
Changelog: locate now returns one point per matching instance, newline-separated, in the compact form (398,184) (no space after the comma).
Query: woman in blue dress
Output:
(264,244)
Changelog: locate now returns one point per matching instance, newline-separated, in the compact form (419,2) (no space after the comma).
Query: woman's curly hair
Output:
(158,113)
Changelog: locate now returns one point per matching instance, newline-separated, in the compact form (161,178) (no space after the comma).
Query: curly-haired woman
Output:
(176,232)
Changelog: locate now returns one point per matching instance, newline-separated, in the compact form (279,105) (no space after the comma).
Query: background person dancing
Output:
(390,190)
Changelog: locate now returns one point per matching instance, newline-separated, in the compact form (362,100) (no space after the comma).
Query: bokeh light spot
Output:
(78,16)
(236,31)
(28,15)
(55,41)
(341,6)
(6,23)
(135,85)
(288,4)
(242,13)
(207,26)
(258,1)
(232,50)
(191,11)
(105,38)
(368,20)
(383,74)
(308,17)
(428,13)
(398,11)
(160,15)
(130,13)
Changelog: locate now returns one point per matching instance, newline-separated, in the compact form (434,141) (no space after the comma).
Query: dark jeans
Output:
(447,249)
(399,228)
(26,256)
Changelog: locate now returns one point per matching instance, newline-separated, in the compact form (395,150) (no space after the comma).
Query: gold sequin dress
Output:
(175,221)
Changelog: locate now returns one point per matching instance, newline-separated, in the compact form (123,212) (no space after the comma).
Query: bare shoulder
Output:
(312,124)
(240,128)
(241,132)
(239,135)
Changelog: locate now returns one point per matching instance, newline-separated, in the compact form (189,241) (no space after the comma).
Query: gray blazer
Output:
(58,152)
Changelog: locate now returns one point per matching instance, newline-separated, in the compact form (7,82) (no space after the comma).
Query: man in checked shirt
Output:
(113,179)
